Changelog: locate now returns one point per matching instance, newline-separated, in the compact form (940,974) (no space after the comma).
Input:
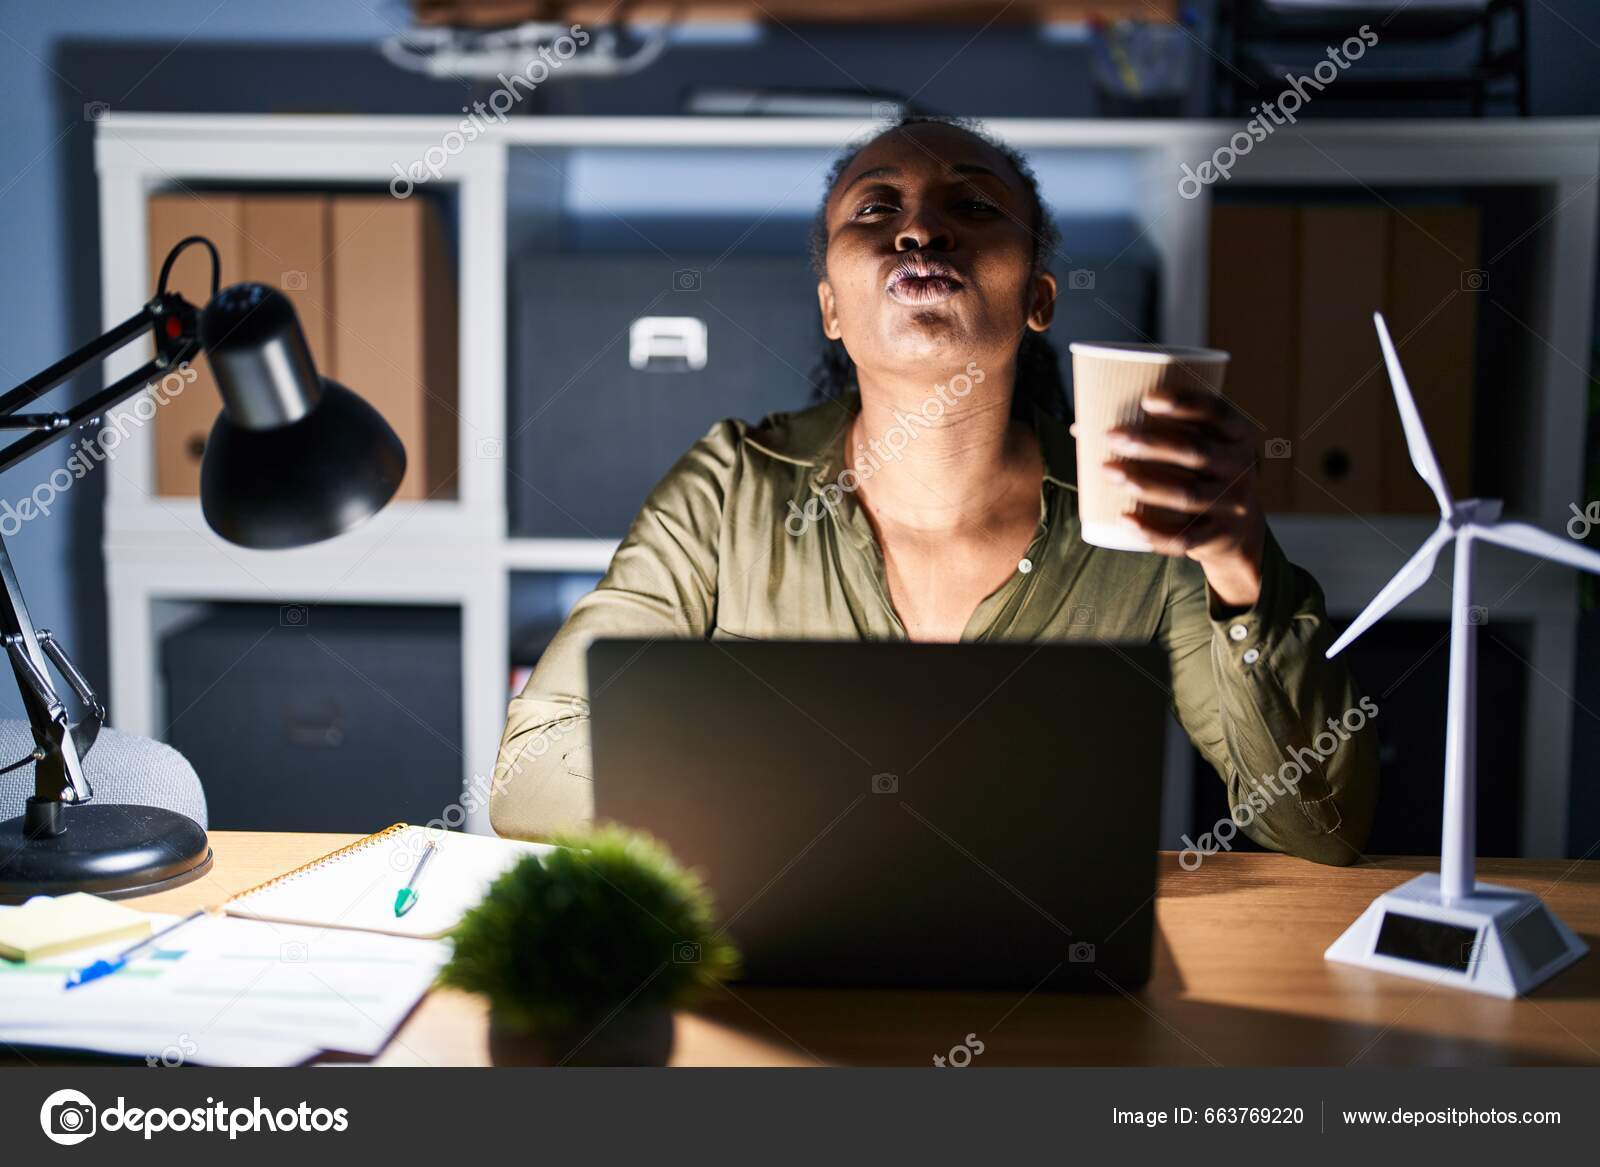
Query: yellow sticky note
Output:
(67,922)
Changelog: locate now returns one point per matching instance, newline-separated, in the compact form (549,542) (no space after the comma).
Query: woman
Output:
(879,515)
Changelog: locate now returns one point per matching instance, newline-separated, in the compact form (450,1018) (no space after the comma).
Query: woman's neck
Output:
(939,456)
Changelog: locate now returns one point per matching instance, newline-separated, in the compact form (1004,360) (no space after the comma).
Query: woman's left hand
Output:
(1191,462)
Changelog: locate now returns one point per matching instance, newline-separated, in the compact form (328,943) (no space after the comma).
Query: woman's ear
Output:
(1043,308)
(825,302)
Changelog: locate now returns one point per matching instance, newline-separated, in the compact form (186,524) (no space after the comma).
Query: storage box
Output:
(319,718)
(620,362)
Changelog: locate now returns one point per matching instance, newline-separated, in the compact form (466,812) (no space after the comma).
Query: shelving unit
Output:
(460,553)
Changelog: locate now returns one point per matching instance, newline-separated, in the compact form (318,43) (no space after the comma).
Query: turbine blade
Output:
(1407,580)
(1416,436)
(1533,541)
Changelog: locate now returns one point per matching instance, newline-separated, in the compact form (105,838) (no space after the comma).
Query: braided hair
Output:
(1039,385)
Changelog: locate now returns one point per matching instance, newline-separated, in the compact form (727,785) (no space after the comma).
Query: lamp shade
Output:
(293,458)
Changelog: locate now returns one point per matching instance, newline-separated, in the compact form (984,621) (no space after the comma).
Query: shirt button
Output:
(1025,566)
(1251,655)
(1238,632)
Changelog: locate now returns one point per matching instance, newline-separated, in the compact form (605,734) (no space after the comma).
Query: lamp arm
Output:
(59,772)
(87,729)
(176,342)
(60,743)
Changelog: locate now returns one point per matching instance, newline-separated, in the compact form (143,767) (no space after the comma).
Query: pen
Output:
(406,898)
(104,968)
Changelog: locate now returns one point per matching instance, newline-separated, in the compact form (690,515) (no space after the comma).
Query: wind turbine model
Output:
(1448,927)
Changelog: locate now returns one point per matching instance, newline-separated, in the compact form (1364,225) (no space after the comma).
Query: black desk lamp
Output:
(292,459)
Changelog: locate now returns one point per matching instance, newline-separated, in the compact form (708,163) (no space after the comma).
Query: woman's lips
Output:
(921,280)
(923,289)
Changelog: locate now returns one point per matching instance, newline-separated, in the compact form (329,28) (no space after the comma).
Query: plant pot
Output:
(632,1038)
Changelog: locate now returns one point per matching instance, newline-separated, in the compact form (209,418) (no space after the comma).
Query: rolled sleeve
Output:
(1286,729)
(662,582)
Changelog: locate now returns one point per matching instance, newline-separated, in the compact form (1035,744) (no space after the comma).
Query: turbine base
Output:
(1499,940)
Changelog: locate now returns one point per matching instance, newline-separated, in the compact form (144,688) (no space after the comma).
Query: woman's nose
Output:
(922,229)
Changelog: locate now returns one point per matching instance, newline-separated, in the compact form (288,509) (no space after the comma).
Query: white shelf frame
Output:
(459,552)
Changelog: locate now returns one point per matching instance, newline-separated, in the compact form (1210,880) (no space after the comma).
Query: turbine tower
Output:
(1448,927)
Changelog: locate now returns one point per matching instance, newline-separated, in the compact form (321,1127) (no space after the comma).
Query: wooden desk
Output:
(1239,980)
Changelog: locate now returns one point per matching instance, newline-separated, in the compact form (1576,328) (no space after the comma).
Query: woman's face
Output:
(930,255)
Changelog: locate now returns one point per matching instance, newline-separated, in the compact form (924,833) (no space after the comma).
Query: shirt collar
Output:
(815,437)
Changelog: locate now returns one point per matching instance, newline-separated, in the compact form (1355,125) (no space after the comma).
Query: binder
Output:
(277,240)
(184,422)
(1434,290)
(369,277)
(1255,317)
(1343,391)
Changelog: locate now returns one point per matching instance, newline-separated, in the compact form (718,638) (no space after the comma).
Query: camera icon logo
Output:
(1081,952)
(293,616)
(1083,615)
(1474,279)
(1278,448)
(293,952)
(491,449)
(67,1117)
(1477,615)
(686,952)
(93,111)
(886,111)
(294,281)
(886,784)
(686,279)
(1080,279)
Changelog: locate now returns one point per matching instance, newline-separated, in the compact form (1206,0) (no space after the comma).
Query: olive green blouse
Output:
(751,537)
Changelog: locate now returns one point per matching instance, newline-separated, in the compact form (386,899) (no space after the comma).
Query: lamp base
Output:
(1498,940)
(113,851)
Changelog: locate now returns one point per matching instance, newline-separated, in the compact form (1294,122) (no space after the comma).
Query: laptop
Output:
(979,816)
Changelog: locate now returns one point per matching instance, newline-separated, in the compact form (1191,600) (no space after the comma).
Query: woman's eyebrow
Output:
(963,169)
(875,172)
(972,168)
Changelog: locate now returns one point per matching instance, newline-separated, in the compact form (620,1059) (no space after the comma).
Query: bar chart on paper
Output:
(225,991)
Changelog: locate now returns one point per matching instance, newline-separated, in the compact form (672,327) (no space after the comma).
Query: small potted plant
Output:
(584,953)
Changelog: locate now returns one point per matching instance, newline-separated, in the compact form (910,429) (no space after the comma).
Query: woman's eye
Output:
(873,209)
(981,205)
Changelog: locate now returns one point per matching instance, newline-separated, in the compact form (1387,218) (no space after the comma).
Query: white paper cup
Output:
(1108,383)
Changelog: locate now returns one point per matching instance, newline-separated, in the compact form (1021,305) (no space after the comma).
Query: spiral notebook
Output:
(354,887)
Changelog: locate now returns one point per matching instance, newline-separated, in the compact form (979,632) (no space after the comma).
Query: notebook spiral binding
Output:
(317,864)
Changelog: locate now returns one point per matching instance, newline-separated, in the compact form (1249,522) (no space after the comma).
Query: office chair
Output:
(122,769)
